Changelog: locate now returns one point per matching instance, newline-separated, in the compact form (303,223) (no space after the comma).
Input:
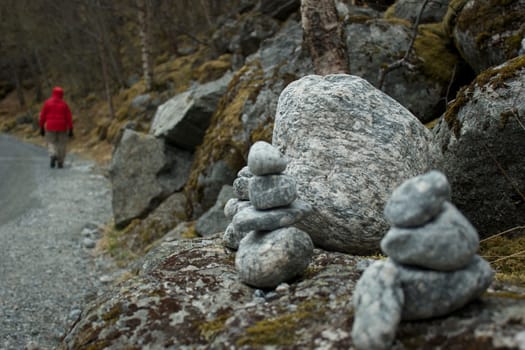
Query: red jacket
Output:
(55,114)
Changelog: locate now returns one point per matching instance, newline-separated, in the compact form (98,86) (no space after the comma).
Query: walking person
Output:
(56,124)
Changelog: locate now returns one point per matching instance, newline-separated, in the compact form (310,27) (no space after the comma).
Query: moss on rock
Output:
(494,17)
(282,330)
(494,77)
(223,139)
(434,48)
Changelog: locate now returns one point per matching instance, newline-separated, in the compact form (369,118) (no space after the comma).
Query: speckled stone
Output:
(378,301)
(232,237)
(431,293)
(265,159)
(233,206)
(271,191)
(417,200)
(266,259)
(446,243)
(251,219)
(240,188)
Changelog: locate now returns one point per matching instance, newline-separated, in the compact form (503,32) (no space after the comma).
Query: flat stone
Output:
(245,172)
(447,243)
(251,219)
(264,159)
(417,200)
(232,237)
(271,191)
(240,188)
(378,302)
(436,293)
(233,206)
(266,259)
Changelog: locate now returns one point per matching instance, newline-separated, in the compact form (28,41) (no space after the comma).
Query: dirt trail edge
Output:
(49,222)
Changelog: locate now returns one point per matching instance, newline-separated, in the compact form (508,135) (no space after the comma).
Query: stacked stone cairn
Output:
(432,268)
(270,250)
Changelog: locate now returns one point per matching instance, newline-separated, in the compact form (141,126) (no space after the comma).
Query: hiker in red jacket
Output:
(56,124)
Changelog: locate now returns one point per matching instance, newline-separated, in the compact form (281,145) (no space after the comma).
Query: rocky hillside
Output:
(456,105)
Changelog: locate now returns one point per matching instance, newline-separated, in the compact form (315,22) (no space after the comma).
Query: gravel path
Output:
(50,219)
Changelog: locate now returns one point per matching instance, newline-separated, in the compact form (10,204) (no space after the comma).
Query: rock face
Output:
(481,136)
(488,32)
(349,144)
(183,120)
(431,271)
(245,114)
(143,172)
(187,295)
(214,220)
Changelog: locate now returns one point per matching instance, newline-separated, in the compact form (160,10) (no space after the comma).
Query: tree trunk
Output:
(144,12)
(323,36)
(18,84)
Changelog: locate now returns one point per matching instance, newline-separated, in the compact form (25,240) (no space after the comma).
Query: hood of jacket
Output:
(58,92)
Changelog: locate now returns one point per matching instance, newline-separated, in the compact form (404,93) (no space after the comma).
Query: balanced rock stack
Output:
(272,251)
(432,267)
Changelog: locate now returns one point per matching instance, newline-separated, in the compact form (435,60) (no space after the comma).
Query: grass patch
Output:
(506,254)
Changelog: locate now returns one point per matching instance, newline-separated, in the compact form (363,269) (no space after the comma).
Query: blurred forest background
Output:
(96,49)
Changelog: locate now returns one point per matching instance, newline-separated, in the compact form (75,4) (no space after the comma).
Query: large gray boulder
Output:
(350,145)
(143,172)
(481,136)
(183,120)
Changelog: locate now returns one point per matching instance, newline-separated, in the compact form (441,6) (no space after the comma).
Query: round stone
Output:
(266,259)
(417,200)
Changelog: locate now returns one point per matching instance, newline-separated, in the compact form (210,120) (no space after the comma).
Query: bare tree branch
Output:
(403,62)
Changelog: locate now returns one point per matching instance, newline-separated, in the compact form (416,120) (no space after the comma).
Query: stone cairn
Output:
(432,268)
(270,251)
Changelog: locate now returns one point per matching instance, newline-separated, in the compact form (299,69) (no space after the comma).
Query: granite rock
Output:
(378,301)
(447,243)
(233,206)
(417,200)
(271,191)
(251,219)
(232,237)
(266,259)
(265,159)
(435,293)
